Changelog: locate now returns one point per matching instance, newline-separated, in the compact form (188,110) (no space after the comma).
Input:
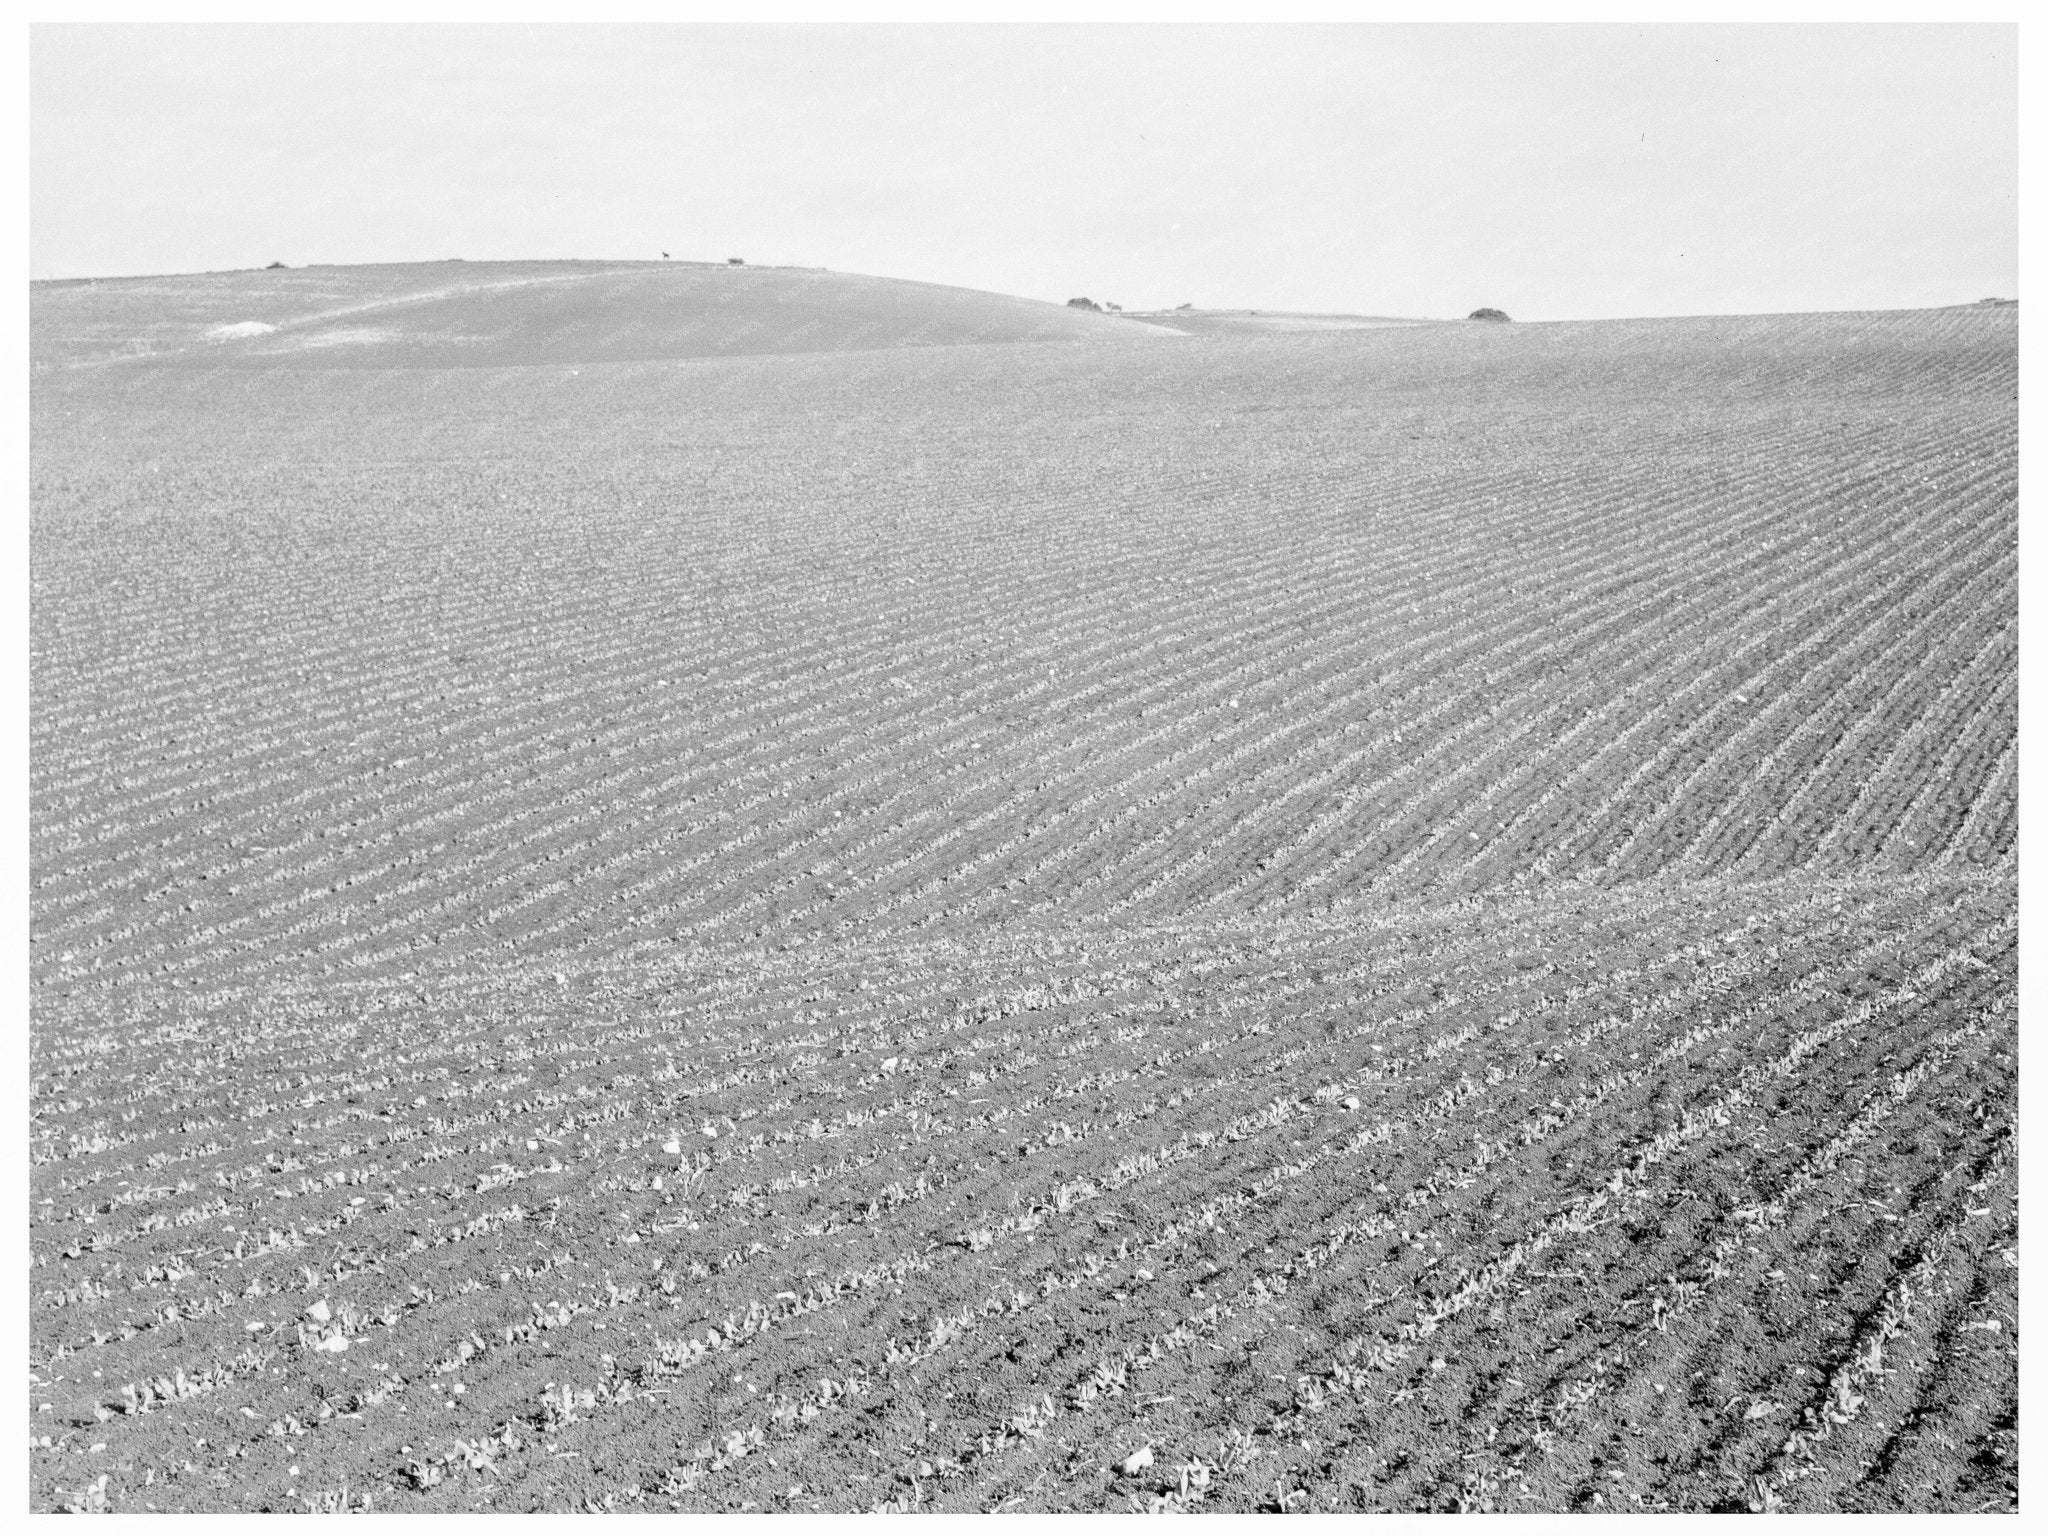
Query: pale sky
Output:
(1552,171)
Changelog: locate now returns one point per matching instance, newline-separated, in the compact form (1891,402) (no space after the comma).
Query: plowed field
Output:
(1402,918)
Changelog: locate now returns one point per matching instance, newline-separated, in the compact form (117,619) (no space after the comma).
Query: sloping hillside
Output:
(1414,918)
(473,314)
(1129,632)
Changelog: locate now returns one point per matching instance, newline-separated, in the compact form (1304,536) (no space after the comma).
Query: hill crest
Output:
(497,314)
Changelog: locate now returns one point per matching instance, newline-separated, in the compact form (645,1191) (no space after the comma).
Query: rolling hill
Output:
(495,314)
(1419,917)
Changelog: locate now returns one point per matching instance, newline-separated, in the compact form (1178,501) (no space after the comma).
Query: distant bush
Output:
(275,265)
(1183,306)
(1998,301)
(1488,314)
(735,261)
(1084,303)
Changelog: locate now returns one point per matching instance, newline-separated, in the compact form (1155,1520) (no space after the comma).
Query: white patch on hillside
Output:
(238,330)
(351,336)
